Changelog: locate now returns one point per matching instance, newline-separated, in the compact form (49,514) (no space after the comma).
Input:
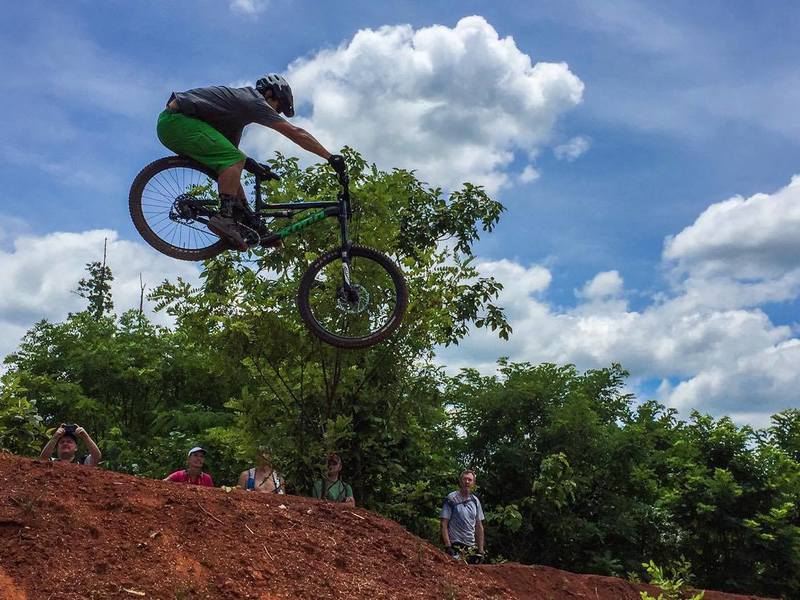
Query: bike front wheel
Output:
(360,314)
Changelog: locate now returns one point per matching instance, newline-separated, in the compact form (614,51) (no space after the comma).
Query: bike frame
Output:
(340,209)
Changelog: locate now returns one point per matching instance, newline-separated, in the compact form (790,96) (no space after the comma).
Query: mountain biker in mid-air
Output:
(206,124)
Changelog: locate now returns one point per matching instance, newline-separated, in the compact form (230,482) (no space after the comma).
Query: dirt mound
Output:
(69,532)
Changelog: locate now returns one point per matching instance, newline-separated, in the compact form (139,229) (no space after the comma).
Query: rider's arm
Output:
(300,137)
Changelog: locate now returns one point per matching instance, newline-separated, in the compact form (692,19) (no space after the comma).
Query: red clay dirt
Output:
(70,532)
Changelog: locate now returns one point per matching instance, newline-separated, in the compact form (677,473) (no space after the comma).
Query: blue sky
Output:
(645,152)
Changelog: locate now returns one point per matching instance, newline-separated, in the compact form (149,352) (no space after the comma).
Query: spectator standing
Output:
(331,487)
(462,521)
(193,473)
(65,443)
(263,477)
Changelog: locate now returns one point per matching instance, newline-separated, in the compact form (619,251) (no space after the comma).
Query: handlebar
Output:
(263,171)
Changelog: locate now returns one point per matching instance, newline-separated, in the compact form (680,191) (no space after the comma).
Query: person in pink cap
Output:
(193,473)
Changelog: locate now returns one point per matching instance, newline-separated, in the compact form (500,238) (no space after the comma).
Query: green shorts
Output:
(197,139)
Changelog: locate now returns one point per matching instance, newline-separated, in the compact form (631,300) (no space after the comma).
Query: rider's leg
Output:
(197,139)
(229,180)
(231,192)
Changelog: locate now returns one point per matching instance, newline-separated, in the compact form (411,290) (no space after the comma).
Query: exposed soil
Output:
(69,532)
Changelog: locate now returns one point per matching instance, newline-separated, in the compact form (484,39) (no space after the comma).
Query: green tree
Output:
(21,428)
(97,287)
(381,408)
(602,485)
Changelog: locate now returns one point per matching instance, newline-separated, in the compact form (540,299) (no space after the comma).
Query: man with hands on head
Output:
(65,443)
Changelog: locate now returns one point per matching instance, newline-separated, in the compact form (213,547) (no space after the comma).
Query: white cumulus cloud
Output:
(744,238)
(753,386)
(572,149)
(529,174)
(605,284)
(456,104)
(248,7)
(39,274)
(708,333)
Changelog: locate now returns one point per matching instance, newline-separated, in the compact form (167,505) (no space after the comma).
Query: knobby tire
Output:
(374,337)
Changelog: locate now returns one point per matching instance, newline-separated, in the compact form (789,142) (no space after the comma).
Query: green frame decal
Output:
(301,224)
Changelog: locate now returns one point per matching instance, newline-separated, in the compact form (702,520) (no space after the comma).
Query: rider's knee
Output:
(234,168)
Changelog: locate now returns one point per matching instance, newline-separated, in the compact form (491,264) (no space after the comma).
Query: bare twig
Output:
(248,529)
(142,287)
(269,385)
(355,515)
(209,514)
(281,379)
(267,551)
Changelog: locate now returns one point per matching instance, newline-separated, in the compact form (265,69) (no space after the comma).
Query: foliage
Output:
(21,426)
(672,584)
(381,408)
(239,371)
(97,288)
(588,468)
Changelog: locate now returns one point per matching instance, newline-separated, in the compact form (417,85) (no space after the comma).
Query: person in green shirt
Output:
(331,487)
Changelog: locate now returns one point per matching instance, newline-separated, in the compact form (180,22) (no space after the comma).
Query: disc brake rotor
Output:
(358,301)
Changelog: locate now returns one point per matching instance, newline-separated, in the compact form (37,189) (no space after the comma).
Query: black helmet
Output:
(280,91)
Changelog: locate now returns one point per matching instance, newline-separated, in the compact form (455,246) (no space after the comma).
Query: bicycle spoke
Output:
(160,198)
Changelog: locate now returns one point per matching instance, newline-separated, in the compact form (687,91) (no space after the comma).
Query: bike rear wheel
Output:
(371,312)
(163,201)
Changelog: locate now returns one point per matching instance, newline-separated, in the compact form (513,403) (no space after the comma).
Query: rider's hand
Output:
(338,164)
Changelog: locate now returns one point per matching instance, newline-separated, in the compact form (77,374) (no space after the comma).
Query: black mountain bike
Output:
(350,297)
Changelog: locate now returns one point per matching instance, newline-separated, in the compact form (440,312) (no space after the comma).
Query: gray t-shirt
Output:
(226,109)
(462,514)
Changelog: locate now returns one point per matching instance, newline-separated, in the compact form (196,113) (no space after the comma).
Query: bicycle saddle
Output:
(260,169)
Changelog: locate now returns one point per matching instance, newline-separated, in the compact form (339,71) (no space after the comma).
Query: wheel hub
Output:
(354,301)
(183,209)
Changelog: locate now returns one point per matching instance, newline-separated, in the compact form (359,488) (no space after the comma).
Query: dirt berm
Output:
(69,532)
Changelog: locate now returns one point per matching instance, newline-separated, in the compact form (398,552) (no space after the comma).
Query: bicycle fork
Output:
(350,293)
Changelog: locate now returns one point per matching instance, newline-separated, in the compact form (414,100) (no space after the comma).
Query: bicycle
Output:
(349,297)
